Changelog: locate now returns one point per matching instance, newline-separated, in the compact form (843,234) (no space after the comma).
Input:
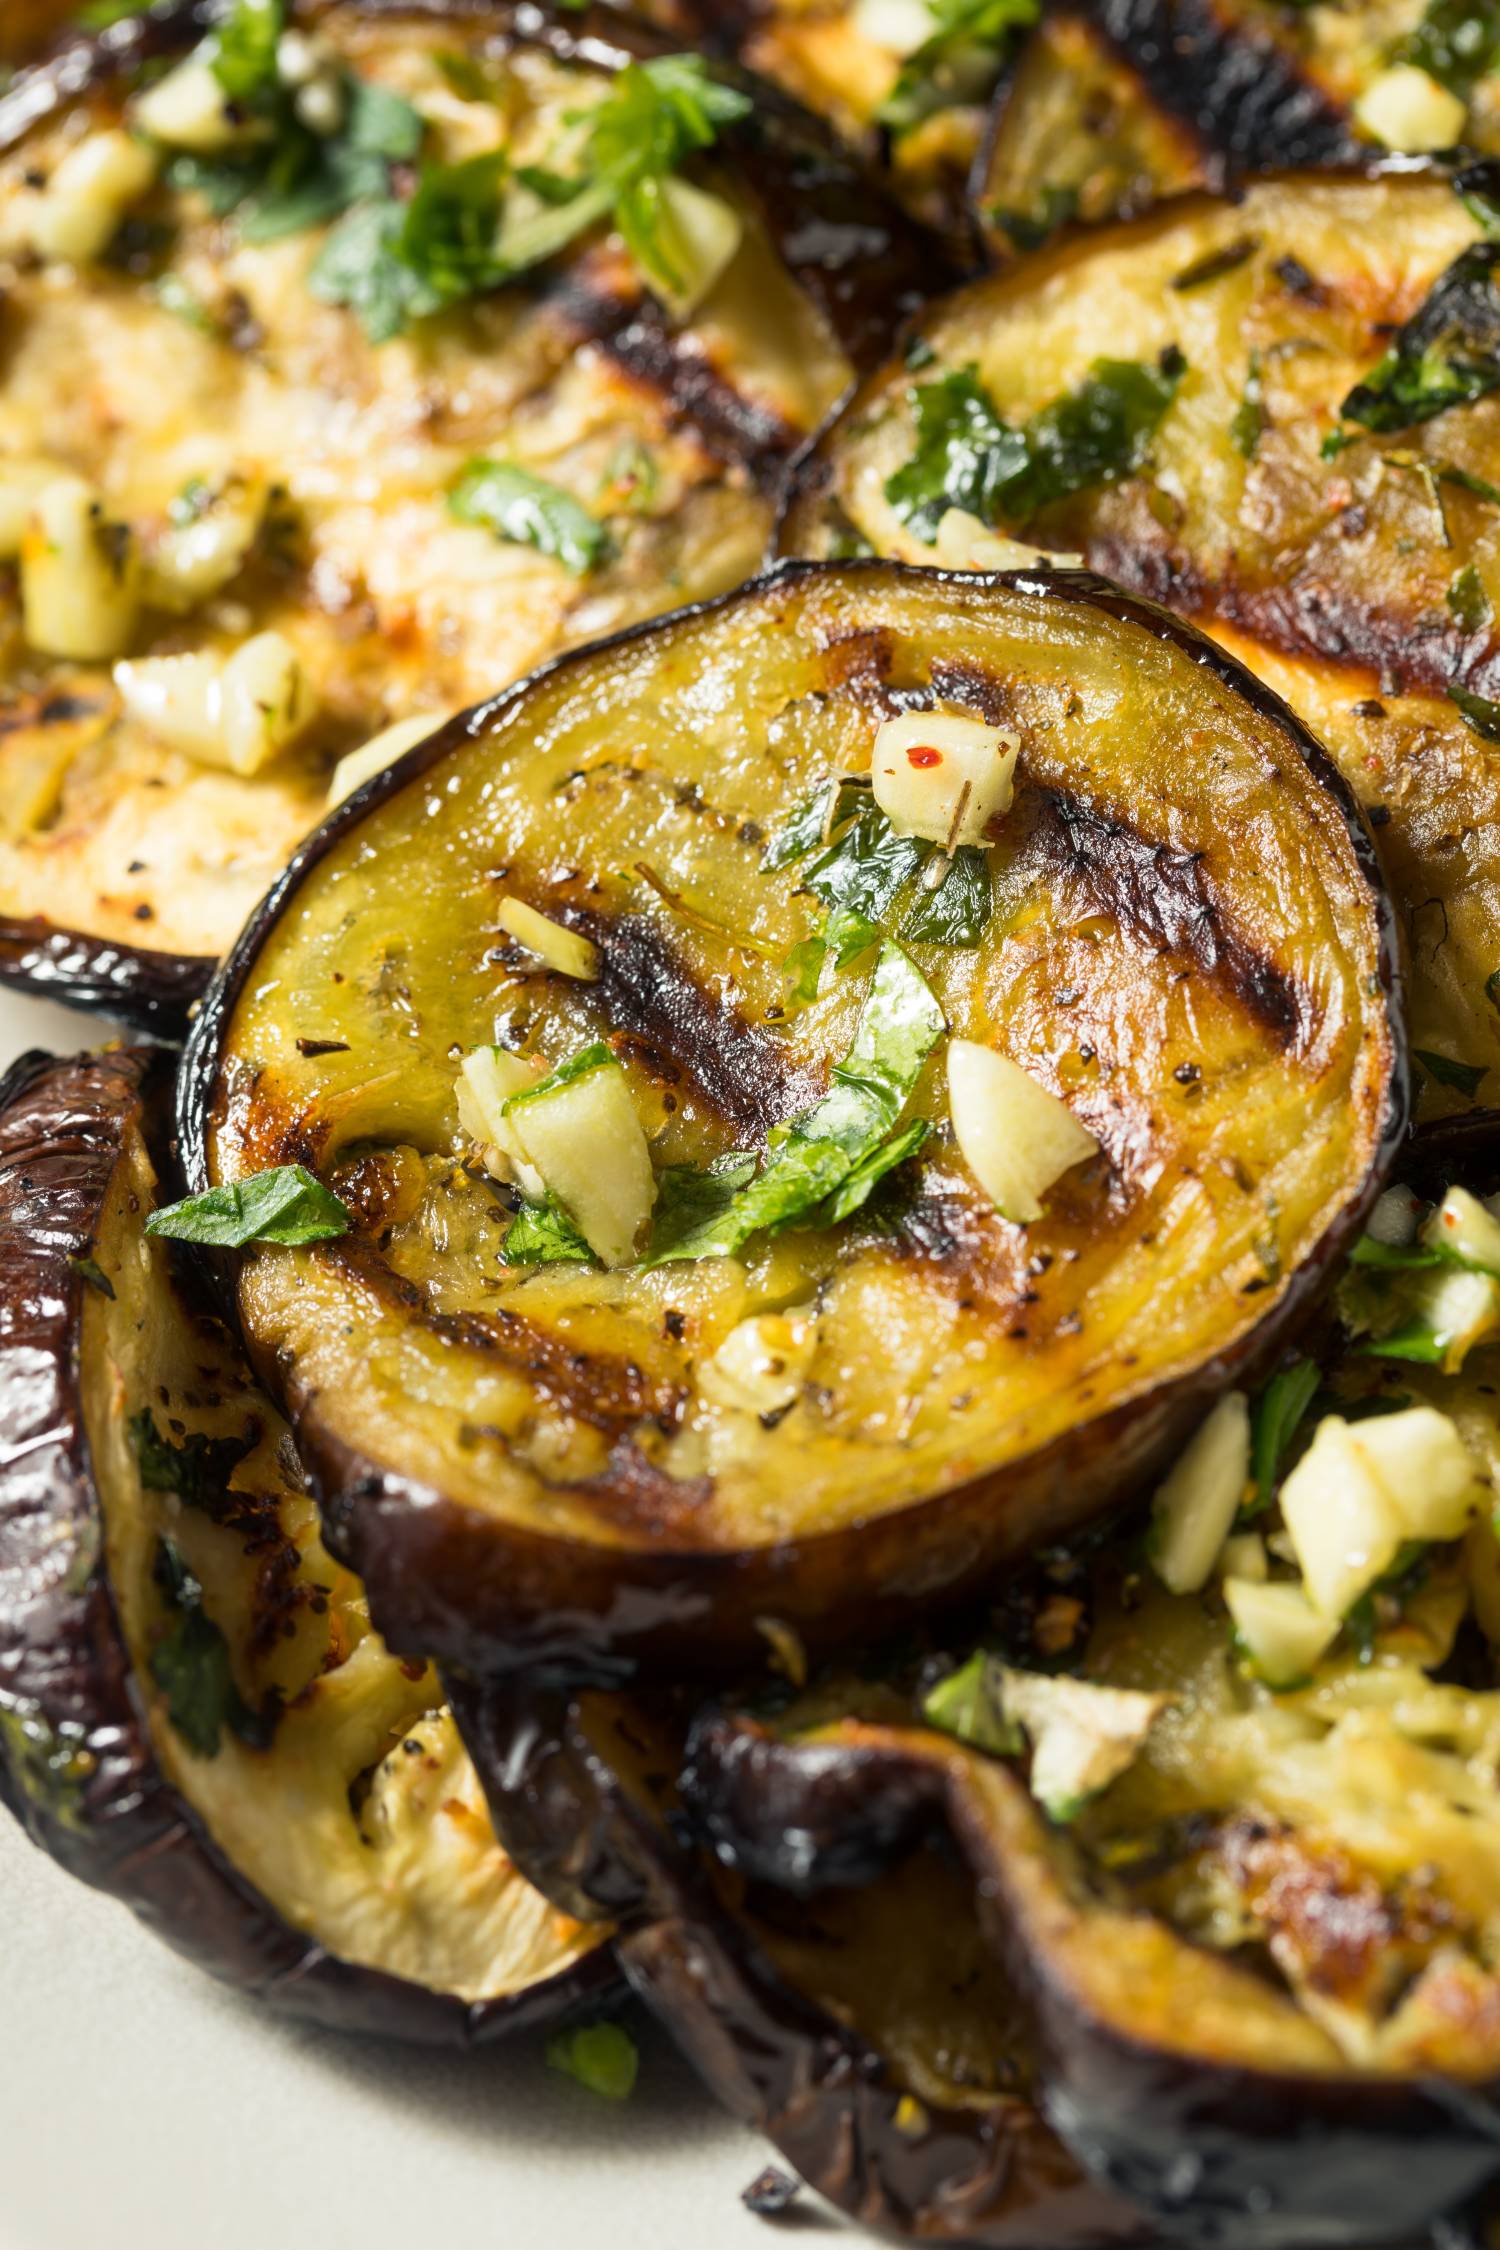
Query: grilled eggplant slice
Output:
(1354,585)
(1261,1957)
(261,465)
(873,2038)
(1115,103)
(194,1712)
(528,1458)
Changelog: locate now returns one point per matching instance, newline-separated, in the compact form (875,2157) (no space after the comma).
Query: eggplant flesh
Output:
(1115,103)
(525,1459)
(874,2039)
(195,1714)
(194,373)
(1341,581)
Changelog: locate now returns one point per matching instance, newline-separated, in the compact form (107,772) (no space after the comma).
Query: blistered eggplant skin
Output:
(459,1570)
(126,864)
(577,1787)
(77,1766)
(1258,2158)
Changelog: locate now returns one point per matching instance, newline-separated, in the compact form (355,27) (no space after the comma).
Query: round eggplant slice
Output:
(195,1714)
(1248,1886)
(310,429)
(873,2038)
(807,1372)
(1221,405)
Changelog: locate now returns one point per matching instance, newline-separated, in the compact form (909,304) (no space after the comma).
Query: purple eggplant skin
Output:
(442,1582)
(1247,2158)
(152,993)
(575,1785)
(76,1765)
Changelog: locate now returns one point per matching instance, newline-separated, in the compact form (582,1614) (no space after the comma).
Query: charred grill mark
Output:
(648,997)
(600,1389)
(1165,897)
(1250,105)
(632,334)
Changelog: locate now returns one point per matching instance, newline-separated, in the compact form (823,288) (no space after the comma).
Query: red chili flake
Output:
(923,754)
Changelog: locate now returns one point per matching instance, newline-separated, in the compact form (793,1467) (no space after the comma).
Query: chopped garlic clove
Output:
(561,949)
(194,560)
(1410,111)
(1015,1137)
(382,750)
(80,576)
(238,715)
(899,26)
(700,236)
(77,215)
(942,776)
(962,542)
(189,109)
(268,702)
(762,1363)
(487,1080)
(585,1139)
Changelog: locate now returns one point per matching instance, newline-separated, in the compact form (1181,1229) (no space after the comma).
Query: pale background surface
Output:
(142,2108)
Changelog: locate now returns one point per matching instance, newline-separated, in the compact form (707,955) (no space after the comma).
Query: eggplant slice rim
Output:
(117,1823)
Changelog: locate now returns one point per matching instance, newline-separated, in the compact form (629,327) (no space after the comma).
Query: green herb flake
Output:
(1468,603)
(899,1025)
(968,1704)
(1248,423)
(244,47)
(1215,264)
(968,457)
(191,1665)
(601,2056)
(1481,711)
(802,972)
(1457,42)
(198,1470)
(958,911)
(1464,1078)
(1275,1418)
(958,61)
(287,1206)
(1446,355)
(689,1200)
(813,821)
(528,512)
(595,1056)
(542,1234)
(93,1276)
(866,868)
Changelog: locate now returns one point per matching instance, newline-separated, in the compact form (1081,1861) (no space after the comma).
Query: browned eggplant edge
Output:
(76,1764)
(430,1565)
(864,262)
(1248,2158)
(773,2055)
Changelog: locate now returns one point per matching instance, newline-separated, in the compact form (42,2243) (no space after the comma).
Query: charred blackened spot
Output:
(859,664)
(696,394)
(1298,282)
(647,994)
(972,688)
(1165,896)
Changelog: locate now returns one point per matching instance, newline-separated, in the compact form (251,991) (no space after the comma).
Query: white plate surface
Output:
(142,2108)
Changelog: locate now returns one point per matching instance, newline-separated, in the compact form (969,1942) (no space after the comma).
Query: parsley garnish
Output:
(1447,355)
(525,509)
(1456,42)
(299,180)
(824,1156)
(542,1234)
(198,1470)
(1275,1418)
(967,456)
(601,2056)
(1249,420)
(191,1665)
(1468,603)
(1464,1078)
(243,57)
(288,1206)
